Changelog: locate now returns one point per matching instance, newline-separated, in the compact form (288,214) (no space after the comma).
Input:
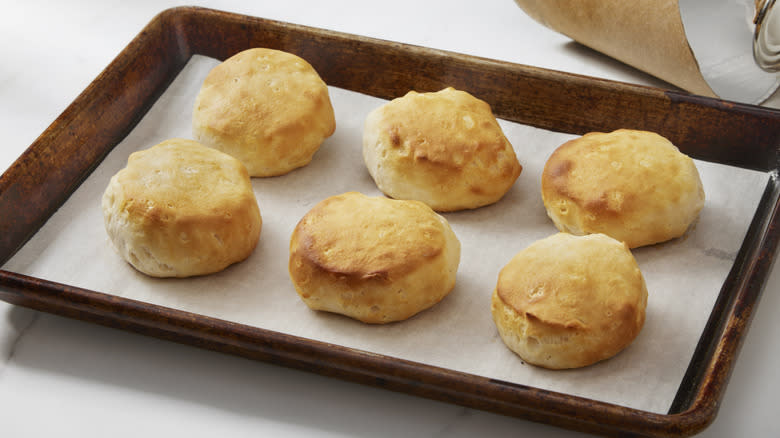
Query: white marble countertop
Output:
(60,377)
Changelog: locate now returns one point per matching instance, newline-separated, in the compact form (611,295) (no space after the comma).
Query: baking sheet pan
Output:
(385,355)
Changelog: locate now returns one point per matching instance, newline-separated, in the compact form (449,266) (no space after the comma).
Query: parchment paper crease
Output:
(683,276)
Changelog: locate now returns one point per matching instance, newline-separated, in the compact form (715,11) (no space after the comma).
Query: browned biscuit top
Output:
(259,93)
(424,126)
(359,236)
(182,180)
(589,283)
(635,186)
(609,173)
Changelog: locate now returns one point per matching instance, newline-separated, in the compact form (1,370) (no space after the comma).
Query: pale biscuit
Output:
(374,259)
(635,186)
(570,301)
(445,149)
(181,209)
(268,108)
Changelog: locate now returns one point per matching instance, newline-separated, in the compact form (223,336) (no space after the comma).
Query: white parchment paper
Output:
(683,276)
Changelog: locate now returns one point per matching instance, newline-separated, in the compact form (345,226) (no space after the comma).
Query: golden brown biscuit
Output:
(181,209)
(635,186)
(374,259)
(445,149)
(570,301)
(268,108)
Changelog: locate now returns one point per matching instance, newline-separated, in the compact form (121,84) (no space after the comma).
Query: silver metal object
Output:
(766,37)
(722,37)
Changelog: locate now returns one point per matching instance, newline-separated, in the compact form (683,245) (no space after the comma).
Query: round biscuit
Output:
(635,186)
(180,209)
(374,259)
(570,301)
(445,149)
(268,108)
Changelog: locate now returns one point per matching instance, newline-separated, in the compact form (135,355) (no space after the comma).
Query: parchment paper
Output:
(683,276)
(647,35)
(702,46)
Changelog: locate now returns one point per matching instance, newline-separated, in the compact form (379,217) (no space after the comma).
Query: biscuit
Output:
(570,301)
(635,186)
(181,209)
(268,108)
(445,149)
(374,259)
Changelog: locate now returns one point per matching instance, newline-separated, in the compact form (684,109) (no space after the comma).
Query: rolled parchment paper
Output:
(701,46)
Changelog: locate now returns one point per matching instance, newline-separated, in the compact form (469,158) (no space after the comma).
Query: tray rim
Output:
(171,27)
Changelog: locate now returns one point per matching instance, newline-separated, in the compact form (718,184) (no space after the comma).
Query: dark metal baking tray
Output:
(43,178)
